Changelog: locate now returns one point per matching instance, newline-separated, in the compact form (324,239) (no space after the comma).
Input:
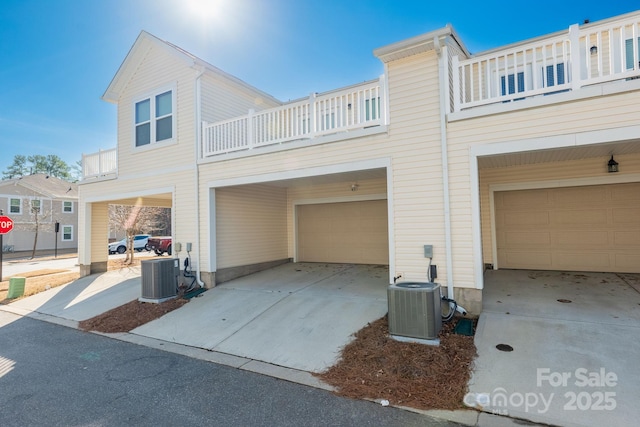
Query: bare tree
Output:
(136,220)
(37,214)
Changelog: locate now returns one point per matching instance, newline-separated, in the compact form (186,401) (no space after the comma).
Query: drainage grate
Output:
(504,347)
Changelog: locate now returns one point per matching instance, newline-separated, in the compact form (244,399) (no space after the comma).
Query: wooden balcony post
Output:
(312,113)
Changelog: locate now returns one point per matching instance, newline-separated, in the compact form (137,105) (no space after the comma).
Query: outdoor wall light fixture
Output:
(612,166)
(593,50)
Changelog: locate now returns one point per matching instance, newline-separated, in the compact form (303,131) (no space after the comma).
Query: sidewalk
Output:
(41,255)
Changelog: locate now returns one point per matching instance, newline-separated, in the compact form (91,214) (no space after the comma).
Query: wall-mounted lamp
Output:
(354,187)
(593,50)
(612,166)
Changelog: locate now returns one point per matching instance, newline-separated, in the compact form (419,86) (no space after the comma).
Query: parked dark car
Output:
(160,245)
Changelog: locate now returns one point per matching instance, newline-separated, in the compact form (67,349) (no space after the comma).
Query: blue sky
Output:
(57,57)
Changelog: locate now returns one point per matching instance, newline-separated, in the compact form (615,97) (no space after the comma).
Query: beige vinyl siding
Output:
(251,225)
(413,145)
(158,71)
(221,101)
(600,113)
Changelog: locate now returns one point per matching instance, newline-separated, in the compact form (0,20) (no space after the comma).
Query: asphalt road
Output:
(51,375)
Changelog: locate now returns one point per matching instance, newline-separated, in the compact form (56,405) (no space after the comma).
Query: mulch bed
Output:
(375,366)
(129,316)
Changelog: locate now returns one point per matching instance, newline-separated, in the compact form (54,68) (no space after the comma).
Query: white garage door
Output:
(350,232)
(593,228)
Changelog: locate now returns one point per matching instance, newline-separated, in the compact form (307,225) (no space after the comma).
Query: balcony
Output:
(339,112)
(100,164)
(568,61)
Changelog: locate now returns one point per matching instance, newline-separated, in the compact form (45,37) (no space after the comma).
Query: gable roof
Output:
(49,186)
(141,46)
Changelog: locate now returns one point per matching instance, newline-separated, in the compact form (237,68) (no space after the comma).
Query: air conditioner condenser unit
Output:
(159,279)
(415,310)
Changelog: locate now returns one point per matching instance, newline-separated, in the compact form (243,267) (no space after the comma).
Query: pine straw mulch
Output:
(375,366)
(130,315)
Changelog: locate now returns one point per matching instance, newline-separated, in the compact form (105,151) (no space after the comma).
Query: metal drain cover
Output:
(564,301)
(504,347)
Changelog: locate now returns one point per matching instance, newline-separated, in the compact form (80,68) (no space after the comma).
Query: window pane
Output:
(35,205)
(143,134)
(163,104)
(143,111)
(163,129)
(67,207)
(67,232)
(14,206)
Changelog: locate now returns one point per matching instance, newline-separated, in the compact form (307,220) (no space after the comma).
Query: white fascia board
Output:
(128,195)
(302,173)
(628,133)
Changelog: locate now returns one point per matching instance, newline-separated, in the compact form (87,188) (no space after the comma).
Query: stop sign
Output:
(6,224)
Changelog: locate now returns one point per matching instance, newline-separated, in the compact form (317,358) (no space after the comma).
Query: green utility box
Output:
(16,287)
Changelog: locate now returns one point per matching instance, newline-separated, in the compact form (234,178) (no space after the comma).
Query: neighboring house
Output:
(498,160)
(52,200)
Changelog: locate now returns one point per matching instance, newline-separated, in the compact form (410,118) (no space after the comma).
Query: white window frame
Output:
(31,205)
(63,207)
(151,97)
(70,239)
(19,206)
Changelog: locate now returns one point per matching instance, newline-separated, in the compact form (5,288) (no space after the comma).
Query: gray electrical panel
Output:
(160,279)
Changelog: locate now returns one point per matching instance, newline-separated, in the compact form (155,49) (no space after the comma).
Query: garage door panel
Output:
(592,228)
(581,239)
(349,232)
(577,217)
(564,197)
(523,239)
(627,216)
(526,218)
(630,239)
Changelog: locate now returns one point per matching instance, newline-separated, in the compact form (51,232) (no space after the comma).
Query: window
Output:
(154,119)
(67,207)
(372,108)
(552,79)
(628,53)
(508,84)
(67,233)
(35,205)
(15,206)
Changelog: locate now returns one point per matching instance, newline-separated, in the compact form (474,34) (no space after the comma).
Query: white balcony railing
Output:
(356,107)
(104,162)
(580,57)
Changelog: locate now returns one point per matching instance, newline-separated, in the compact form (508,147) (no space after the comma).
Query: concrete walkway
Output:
(575,337)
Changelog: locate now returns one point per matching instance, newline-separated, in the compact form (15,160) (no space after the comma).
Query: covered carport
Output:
(302,216)
(94,223)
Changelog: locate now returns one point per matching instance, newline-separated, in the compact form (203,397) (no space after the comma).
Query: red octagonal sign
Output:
(6,224)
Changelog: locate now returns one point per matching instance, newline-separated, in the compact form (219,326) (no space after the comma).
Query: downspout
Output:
(443,77)
(198,107)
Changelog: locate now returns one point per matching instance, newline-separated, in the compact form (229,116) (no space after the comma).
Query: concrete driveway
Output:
(575,340)
(297,315)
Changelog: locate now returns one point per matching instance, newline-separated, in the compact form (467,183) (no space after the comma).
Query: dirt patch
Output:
(375,366)
(129,316)
(36,284)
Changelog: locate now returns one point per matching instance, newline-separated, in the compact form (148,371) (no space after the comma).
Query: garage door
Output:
(350,232)
(593,228)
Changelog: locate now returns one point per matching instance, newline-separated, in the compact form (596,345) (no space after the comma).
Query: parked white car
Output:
(139,243)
